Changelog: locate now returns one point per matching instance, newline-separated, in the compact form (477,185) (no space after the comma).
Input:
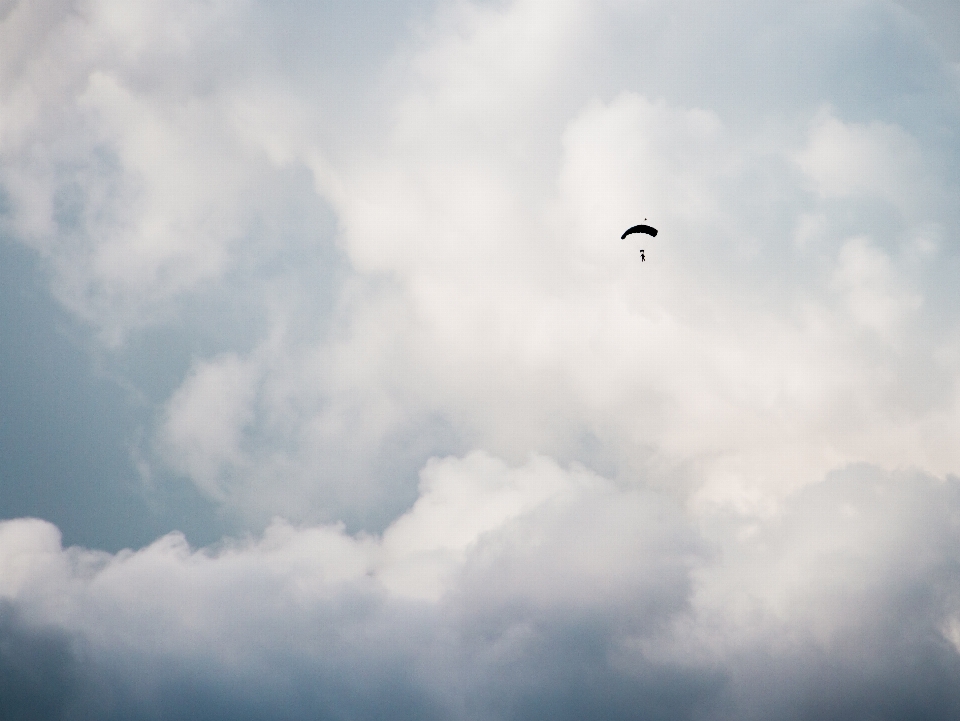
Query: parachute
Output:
(640,229)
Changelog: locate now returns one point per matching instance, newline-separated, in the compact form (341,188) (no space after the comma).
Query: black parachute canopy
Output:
(640,229)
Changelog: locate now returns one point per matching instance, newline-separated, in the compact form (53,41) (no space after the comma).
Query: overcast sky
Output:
(329,390)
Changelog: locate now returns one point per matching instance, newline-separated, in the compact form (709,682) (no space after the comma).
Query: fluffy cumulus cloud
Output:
(508,592)
(514,470)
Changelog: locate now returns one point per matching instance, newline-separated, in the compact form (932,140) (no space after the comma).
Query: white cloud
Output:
(428,244)
(208,416)
(547,571)
(868,278)
(119,150)
(491,290)
(460,501)
(878,159)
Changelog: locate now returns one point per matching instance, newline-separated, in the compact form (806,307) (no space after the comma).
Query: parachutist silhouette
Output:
(642,256)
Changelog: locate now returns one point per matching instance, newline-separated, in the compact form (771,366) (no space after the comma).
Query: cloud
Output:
(866,275)
(876,160)
(208,416)
(436,267)
(36,669)
(562,593)
(508,313)
(369,273)
(136,155)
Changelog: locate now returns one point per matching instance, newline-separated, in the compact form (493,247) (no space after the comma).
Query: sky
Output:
(329,389)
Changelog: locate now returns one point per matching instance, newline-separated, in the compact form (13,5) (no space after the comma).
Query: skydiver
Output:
(642,256)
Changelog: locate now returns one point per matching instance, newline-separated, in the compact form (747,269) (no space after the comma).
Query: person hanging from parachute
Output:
(649,230)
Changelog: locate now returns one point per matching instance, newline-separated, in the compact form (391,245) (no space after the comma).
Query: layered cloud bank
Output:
(514,471)
(528,592)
